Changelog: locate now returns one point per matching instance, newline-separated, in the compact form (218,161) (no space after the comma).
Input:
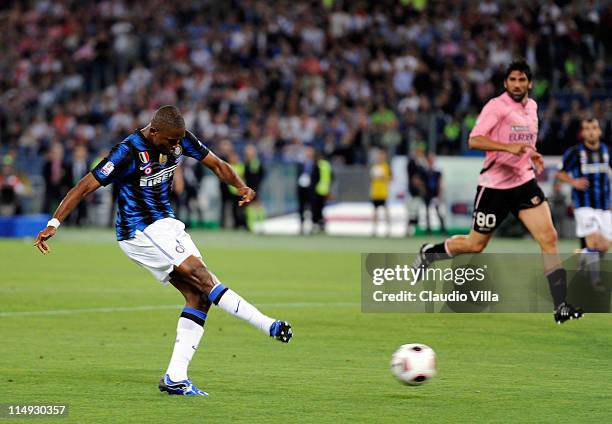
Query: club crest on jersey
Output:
(163,159)
(178,150)
(148,170)
(143,156)
(535,200)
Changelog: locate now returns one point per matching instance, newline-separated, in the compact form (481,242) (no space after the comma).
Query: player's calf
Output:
(194,297)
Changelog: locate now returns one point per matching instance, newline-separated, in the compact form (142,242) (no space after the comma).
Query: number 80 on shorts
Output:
(485,220)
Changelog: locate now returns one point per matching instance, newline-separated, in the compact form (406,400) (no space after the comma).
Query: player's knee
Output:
(548,237)
(202,278)
(603,244)
(197,276)
(477,246)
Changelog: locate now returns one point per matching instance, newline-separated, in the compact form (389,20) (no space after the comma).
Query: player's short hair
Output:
(589,119)
(520,65)
(168,116)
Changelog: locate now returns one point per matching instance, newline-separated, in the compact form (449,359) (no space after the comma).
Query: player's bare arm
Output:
(86,186)
(578,183)
(481,142)
(226,174)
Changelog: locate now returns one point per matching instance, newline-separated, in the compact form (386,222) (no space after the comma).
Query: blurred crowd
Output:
(341,76)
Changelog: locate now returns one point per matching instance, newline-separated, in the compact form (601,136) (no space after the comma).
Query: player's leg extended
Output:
(474,242)
(194,272)
(538,221)
(189,330)
(490,209)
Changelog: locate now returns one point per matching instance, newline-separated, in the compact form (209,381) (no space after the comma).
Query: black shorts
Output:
(378,203)
(492,205)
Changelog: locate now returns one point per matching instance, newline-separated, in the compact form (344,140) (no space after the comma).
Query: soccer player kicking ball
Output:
(142,166)
(586,167)
(507,130)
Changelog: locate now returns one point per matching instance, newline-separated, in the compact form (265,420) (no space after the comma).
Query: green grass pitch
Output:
(84,326)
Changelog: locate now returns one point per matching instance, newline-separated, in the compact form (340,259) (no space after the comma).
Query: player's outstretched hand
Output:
(538,162)
(580,184)
(518,149)
(247,194)
(41,239)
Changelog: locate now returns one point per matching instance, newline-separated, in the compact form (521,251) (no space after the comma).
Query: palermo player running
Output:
(142,166)
(586,167)
(507,130)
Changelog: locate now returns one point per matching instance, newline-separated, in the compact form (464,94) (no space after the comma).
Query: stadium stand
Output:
(343,76)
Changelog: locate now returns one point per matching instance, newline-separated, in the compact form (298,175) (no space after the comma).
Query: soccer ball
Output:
(413,364)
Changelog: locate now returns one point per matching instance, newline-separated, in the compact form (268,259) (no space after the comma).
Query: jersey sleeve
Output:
(488,118)
(570,160)
(193,147)
(114,165)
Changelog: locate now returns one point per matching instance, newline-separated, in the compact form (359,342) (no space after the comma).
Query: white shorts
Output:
(590,221)
(160,247)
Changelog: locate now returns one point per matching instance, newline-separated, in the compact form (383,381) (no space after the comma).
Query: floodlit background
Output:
(407,77)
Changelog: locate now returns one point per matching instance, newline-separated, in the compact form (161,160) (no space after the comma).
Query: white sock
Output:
(232,303)
(188,335)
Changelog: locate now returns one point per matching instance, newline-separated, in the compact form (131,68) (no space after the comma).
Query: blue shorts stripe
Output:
(215,292)
(160,249)
(195,312)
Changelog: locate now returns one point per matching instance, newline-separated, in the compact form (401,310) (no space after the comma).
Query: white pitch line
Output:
(161,307)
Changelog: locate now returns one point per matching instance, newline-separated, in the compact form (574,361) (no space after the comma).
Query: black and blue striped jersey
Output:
(144,176)
(581,162)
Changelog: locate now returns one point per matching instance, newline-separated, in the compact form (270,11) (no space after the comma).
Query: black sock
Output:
(557,282)
(437,252)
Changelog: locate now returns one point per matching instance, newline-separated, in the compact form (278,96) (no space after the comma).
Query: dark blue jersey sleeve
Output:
(115,165)
(570,160)
(193,147)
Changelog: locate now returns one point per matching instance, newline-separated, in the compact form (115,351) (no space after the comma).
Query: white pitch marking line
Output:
(161,307)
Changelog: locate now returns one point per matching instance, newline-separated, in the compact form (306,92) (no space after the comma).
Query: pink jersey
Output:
(508,122)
